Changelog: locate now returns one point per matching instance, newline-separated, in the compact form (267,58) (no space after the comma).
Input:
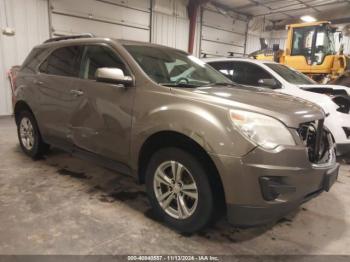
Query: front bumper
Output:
(293,177)
(335,122)
(343,149)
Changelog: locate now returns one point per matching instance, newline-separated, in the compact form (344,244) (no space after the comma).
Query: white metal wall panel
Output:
(97,28)
(170,24)
(222,33)
(29,18)
(128,19)
(253,43)
(218,49)
(212,34)
(170,31)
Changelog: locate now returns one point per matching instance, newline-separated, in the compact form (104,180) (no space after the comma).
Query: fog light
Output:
(271,187)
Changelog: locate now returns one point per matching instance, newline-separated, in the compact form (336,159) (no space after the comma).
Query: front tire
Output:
(179,190)
(29,136)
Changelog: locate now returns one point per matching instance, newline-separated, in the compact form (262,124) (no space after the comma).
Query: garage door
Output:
(222,34)
(127,19)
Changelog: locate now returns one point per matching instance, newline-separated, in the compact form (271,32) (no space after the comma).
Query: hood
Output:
(292,111)
(326,89)
(321,99)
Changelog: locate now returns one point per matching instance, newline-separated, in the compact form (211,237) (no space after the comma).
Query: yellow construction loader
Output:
(310,49)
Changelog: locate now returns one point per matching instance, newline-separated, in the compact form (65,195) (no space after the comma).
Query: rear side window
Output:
(100,56)
(64,61)
(33,60)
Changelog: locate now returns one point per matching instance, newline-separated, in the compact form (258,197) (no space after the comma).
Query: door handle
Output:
(37,82)
(76,92)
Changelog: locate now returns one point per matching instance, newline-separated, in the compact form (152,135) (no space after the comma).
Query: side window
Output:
(255,73)
(232,70)
(97,57)
(302,40)
(224,68)
(64,61)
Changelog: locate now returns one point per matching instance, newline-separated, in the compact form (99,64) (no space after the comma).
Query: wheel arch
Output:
(165,139)
(21,106)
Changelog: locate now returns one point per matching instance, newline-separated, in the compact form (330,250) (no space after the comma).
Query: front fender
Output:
(209,126)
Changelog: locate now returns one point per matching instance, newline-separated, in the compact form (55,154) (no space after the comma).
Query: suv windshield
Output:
(171,67)
(290,75)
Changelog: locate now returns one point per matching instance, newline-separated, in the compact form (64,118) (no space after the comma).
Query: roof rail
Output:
(67,37)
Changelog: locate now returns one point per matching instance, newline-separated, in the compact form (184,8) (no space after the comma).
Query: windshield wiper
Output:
(179,85)
(220,84)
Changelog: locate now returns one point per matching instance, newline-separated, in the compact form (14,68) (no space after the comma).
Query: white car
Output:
(334,99)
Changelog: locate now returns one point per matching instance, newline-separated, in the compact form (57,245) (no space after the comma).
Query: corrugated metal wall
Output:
(30,20)
(256,30)
(170,23)
(113,18)
(222,32)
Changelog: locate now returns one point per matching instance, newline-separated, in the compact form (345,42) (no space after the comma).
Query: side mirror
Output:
(270,83)
(113,76)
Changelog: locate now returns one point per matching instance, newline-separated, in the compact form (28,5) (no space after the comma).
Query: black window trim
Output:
(50,51)
(111,49)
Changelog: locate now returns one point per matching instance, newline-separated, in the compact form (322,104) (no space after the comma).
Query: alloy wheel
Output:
(175,189)
(26,132)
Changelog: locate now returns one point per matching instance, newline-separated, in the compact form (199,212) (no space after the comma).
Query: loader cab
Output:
(310,48)
(313,42)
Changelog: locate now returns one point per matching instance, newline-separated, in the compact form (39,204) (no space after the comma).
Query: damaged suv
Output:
(202,148)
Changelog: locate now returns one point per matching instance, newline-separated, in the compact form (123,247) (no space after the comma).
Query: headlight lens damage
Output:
(262,130)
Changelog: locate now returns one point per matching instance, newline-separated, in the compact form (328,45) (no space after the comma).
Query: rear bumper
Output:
(291,181)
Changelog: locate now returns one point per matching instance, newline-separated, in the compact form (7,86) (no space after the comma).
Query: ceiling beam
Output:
(309,6)
(303,8)
(337,21)
(268,7)
(225,7)
(252,5)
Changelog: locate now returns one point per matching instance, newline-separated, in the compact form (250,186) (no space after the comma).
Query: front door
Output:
(102,123)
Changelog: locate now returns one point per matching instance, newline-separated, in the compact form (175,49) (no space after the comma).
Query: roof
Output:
(223,59)
(89,39)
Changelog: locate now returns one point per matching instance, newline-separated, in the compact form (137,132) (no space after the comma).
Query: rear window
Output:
(64,61)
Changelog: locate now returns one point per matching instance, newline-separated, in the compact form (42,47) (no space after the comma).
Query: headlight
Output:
(264,131)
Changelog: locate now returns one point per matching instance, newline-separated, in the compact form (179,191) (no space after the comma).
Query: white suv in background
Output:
(334,100)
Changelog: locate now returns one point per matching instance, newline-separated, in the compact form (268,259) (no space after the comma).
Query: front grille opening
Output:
(344,104)
(347,131)
(317,140)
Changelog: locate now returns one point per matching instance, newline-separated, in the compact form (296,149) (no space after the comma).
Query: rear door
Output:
(57,102)
(102,122)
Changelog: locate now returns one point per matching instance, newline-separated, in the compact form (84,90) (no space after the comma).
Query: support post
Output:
(193,9)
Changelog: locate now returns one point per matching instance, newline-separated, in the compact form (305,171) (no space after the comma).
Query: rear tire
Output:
(29,136)
(183,201)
